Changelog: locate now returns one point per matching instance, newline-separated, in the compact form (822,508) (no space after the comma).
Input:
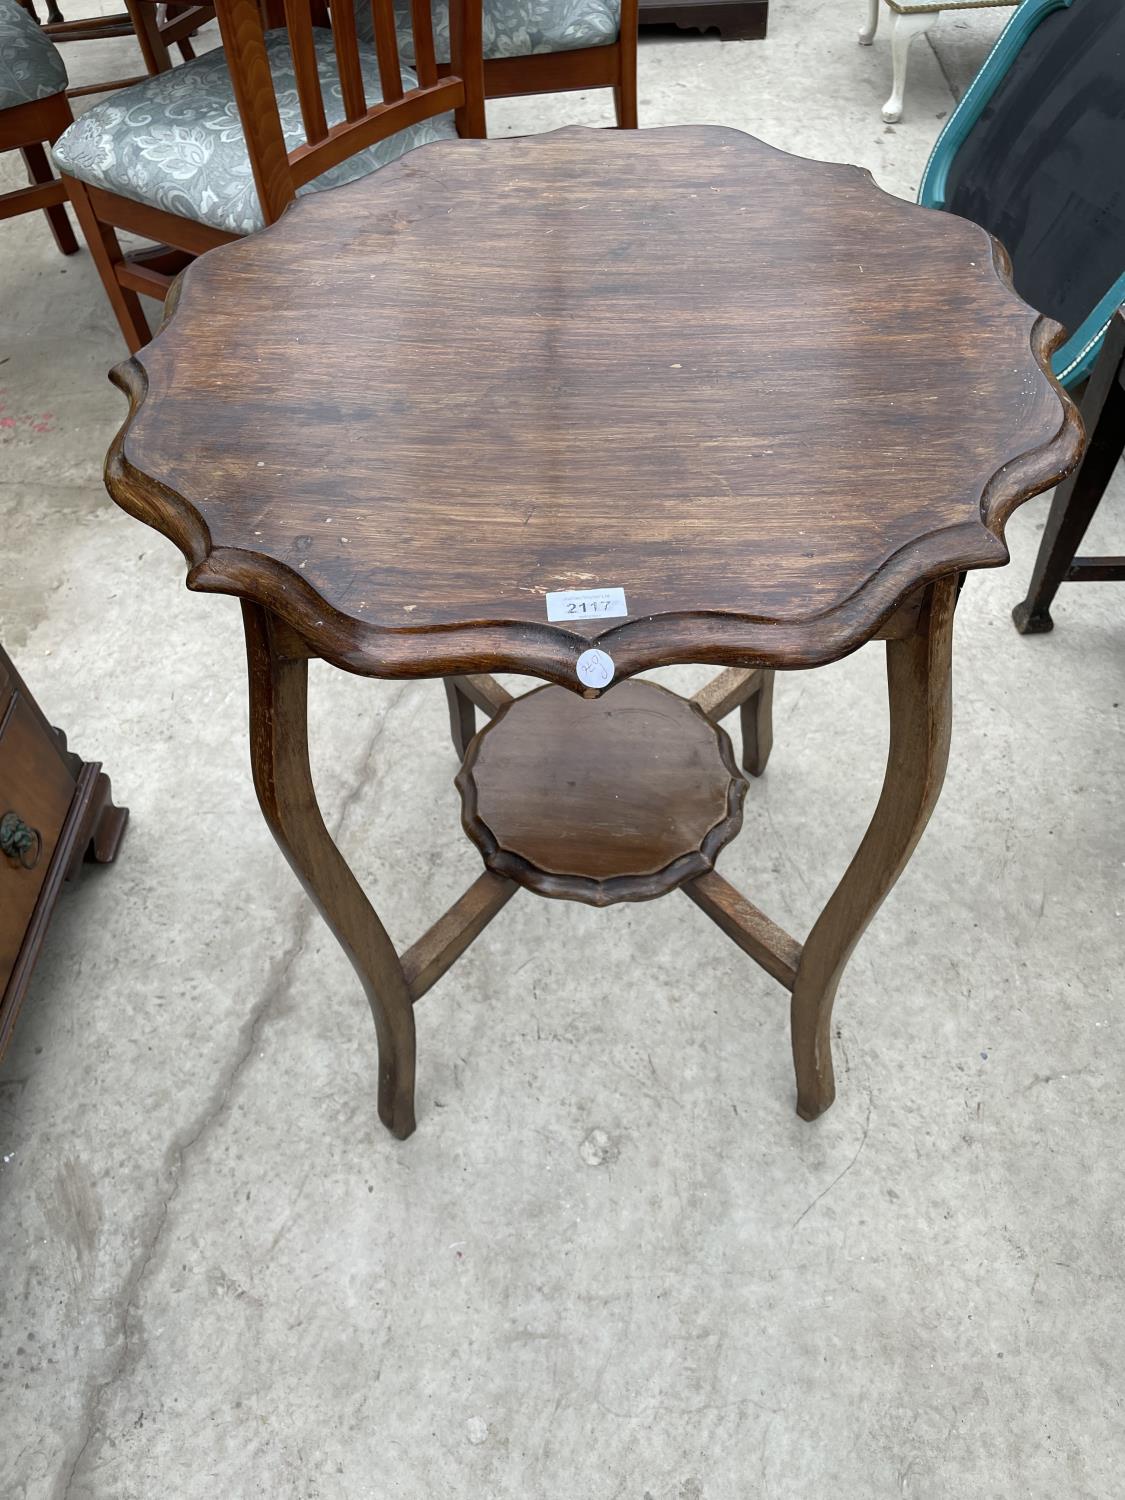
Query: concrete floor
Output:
(611,1262)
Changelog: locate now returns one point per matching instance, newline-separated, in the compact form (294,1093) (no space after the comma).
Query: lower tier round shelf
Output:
(622,798)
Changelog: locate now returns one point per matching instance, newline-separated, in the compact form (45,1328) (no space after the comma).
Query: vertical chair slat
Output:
(299,23)
(386,49)
(347,60)
(244,42)
(425,59)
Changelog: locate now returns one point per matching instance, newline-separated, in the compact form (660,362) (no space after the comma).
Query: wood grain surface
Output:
(494,369)
(620,799)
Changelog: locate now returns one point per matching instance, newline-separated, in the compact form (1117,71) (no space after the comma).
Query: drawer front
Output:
(34,784)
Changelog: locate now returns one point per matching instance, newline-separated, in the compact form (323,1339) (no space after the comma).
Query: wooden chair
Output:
(222,145)
(1077,498)
(156,27)
(33,109)
(543,46)
(1033,152)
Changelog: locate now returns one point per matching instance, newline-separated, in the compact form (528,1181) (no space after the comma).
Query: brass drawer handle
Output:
(18,841)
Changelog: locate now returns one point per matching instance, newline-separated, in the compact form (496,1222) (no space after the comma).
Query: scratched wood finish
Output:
(620,799)
(497,368)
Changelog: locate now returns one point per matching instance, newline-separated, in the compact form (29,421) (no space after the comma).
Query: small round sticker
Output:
(595,668)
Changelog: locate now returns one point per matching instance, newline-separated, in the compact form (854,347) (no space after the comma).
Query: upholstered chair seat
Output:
(512,28)
(30,65)
(175,140)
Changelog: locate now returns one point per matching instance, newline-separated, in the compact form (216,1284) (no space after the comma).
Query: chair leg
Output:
(108,255)
(146,26)
(1077,498)
(279,754)
(919,686)
(907,25)
(867,35)
(39,170)
(625,90)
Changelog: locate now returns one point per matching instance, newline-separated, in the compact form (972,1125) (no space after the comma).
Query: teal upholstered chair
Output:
(1035,152)
(33,109)
(541,46)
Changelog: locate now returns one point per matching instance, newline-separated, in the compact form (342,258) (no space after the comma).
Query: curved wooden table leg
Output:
(919,685)
(279,755)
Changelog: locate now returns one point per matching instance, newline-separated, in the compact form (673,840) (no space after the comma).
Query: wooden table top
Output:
(761,397)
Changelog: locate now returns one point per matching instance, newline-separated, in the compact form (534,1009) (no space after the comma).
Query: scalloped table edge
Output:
(551,651)
(548,651)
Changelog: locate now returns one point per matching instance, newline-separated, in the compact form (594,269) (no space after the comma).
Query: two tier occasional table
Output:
(501,408)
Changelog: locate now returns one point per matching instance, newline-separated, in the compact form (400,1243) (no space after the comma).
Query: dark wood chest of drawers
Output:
(55,811)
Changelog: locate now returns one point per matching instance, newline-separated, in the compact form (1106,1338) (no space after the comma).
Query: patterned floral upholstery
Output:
(175,140)
(30,65)
(512,28)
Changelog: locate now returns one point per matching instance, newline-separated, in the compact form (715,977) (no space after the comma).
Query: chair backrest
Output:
(1035,152)
(278,171)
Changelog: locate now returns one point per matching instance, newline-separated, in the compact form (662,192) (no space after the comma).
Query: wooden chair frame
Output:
(156,26)
(613,67)
(278,173)
(24,128)
(1075,500)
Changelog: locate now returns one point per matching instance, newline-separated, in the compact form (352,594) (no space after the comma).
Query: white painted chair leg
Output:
(907,25)
(867,35)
